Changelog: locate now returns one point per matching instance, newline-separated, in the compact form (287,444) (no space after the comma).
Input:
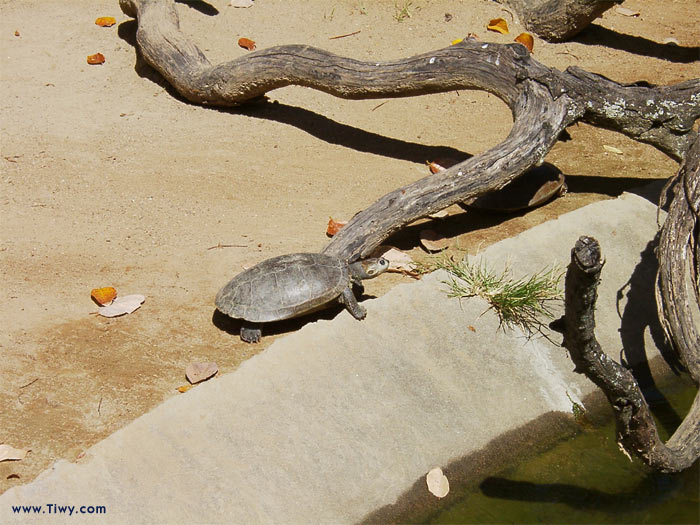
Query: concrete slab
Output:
(339,419)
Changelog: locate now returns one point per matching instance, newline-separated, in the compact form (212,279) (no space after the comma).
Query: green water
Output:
(586,479)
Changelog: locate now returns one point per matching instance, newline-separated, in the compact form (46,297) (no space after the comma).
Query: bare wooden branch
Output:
(660,116)
(636,429)
(558,20)
(539,119)
(678,245)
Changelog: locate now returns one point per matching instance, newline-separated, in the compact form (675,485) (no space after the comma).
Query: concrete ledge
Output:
(341,418)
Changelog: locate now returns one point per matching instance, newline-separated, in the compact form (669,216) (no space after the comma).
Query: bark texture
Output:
(636,429)
(558,20)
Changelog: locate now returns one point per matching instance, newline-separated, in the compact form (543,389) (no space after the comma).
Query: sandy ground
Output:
(109,179)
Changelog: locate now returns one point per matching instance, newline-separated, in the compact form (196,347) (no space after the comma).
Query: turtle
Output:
(291,285)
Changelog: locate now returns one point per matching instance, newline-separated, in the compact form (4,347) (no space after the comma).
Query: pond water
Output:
(586,479)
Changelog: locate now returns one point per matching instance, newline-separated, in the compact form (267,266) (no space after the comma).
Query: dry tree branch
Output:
(636,429)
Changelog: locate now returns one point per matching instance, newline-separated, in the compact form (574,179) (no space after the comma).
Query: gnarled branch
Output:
(636,429)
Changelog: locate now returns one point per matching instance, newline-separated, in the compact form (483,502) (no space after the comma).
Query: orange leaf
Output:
(526,40)
(441,164)
(334,226)
(498,25)
(103,296)
(184,388)
(106,21)
(97,58)
(246,43)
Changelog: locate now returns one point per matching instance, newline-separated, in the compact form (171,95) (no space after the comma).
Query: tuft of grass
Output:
(402,11)
(517,302)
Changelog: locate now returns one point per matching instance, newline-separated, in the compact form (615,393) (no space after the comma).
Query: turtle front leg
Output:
(355,309)
(251,333)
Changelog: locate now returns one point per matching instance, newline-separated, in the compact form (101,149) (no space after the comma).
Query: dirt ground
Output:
(109,179)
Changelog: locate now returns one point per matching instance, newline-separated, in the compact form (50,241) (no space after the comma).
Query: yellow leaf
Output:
(106,21)
(456,41)
(526,40)
(103,296)
(498,25)
(184,388)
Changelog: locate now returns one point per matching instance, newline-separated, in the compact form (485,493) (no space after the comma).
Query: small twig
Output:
(227,246)
(380,105)
(30,383)
(343,36)
(99,406)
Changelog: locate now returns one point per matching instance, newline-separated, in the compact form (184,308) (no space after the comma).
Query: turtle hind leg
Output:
(251,333)
(348,299)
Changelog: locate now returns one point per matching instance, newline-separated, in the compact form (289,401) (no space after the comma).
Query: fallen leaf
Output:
(499,25)
(471,328)
(8,453)
(198,372)
(526,40)
(612,149)
(184,388)
(16,33)
(97,58)
(13,476)
(246,43)
(122,305)
(442,164)
(103,296)
(438,484)
(241,3)
(626,12)
(456,41)
(432,241)
(106,21)
(398,261)
(334,226)
(670,40)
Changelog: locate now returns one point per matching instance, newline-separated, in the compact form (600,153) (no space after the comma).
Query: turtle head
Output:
(369,268)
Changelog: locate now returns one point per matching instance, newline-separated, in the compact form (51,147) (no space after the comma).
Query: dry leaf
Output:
(198,372)
(471,328)
(438,484)
(16,33)
(106,21)
(432,241)
(670,40)
(456,41)
(612,149)
(398,261)
(246,43)
(103,296)
(8,453)
(626,12)
(122,305)
(526,40)
(97,58)
(498,25)
(442,164)
(241,3)
(334,226)
(184,388)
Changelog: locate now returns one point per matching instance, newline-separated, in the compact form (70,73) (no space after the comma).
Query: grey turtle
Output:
(292,285)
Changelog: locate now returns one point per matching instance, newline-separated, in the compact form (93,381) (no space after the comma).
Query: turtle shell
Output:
(284,287)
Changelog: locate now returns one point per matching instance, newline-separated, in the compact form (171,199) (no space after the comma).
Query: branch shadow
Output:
(638,315)
(339,134)
(200,5)
(596,35)
(653,488)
